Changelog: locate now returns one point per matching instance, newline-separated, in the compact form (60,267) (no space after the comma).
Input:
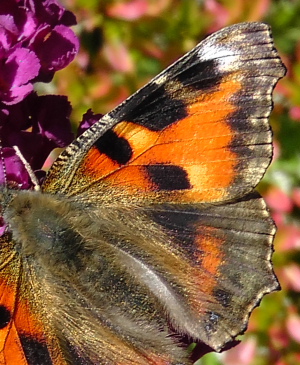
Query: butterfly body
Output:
(147,228)
(75,258)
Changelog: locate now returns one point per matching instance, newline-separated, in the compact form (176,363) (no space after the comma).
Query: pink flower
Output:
(295,113)
(278,200)
(293,327)
(291,276)
(242,354)
(290,235)
(119,57)
(130,10)
(135,9)
(219,12)
(296,196)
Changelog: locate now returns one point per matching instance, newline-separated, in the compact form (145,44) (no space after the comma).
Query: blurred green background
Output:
(124,44)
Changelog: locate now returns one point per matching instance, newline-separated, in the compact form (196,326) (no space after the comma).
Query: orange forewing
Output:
(198,143)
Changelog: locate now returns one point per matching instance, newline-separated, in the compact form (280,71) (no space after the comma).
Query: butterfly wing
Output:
(167,180)
(25,338)
(198,132)
(225,267)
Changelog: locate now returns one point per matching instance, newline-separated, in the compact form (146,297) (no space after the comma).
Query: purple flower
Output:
(13,170)
(13,173)
(16,71)
(88,119)
(36,125)
(35,41)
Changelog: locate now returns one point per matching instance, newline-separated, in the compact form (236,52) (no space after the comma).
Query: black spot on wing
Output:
(179,224)
(175,220)
(201,76)
(168,177)
(116,148)
(5,316)
(223,297)
(157,108)
(36,352)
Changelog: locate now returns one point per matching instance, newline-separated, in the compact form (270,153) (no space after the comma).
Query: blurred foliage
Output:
(125,43)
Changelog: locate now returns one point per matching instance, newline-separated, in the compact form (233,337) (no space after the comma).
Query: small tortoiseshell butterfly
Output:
(147,227)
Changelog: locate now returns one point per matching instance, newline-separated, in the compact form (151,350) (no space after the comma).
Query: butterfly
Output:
(147,227)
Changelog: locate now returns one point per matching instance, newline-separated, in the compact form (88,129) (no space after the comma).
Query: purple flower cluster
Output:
(35,42)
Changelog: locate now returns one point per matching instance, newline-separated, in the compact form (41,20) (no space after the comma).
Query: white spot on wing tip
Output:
(224,56)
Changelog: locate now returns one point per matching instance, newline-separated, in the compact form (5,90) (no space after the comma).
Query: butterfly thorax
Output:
(40,224)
